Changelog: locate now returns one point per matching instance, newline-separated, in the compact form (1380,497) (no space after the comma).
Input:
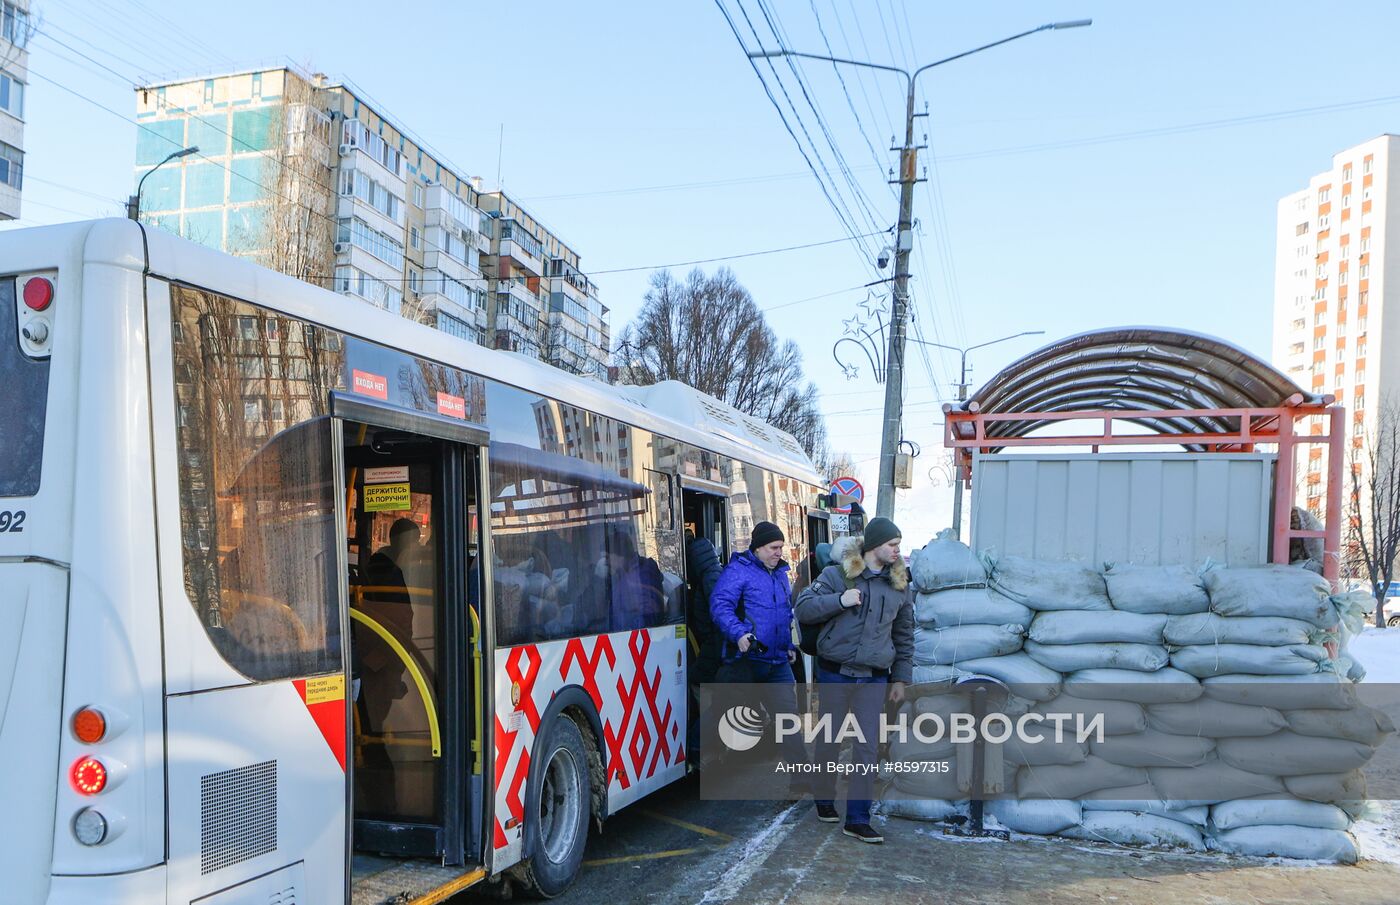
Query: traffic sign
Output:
(850,487)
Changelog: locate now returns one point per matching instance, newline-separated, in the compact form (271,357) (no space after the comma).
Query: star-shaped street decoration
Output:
(853,325)
(873,305)
(851,371)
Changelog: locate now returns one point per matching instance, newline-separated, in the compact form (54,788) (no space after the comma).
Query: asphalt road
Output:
(671,847)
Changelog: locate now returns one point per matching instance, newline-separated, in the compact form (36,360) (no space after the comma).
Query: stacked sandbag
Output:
(1222,697)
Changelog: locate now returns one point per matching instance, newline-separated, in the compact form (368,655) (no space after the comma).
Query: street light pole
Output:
(133,203)
(962,397)
(891,433)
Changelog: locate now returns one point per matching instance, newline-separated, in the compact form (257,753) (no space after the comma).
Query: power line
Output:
(812,298)
(862,201)
(1179,129)
(835,67)
(839,206)
(48,24)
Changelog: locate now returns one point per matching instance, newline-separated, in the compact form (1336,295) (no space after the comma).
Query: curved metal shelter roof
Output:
(1136,368)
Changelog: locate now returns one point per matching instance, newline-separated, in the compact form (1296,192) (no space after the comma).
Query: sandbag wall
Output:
(1229,717)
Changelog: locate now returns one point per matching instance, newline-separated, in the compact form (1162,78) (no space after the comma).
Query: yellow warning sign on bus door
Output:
(386,497)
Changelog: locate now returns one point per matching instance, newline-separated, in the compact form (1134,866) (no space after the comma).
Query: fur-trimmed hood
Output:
(846,552)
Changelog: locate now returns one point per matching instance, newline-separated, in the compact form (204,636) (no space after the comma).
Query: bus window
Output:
(22,405)
(257,507)
(568,561)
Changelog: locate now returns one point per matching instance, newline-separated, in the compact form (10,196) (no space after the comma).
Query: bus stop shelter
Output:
(1189,390)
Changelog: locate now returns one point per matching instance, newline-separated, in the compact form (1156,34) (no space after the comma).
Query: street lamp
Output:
(133,204)
(962,397)
(963,350)
(904,243)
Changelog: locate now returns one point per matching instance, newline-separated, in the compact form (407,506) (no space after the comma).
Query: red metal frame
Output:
(966,432)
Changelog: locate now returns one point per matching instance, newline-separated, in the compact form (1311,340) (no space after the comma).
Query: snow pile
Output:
(1220,704)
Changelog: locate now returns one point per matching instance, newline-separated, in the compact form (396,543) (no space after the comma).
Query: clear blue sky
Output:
(600,100)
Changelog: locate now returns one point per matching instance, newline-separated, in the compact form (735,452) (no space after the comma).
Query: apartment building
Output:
(310,177)
(16,28)
(1331,295)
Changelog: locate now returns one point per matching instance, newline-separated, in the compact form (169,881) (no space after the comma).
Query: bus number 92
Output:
(11,521)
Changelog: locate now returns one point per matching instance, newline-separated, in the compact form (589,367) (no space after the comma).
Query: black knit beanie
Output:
(878,531)
(764,533)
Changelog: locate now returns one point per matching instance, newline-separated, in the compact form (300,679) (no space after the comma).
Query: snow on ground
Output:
(1378,649)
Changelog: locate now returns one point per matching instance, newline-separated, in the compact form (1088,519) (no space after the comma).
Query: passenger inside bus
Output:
(635,590)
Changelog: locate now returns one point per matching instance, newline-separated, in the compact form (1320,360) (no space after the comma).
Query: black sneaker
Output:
(864,832)
(827,814)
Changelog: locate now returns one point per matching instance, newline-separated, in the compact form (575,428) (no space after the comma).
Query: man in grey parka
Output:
(865,653)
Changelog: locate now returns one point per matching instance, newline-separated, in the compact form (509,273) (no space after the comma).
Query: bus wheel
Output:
(557,817)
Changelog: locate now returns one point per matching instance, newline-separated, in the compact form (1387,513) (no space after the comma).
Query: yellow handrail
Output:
(429,705)
(476,687)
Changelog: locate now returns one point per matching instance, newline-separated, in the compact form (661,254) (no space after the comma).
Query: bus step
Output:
(377,880)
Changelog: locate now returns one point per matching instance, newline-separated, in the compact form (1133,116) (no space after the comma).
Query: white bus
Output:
(304,602)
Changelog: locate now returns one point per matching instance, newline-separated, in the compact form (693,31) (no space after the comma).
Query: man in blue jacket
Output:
(752,611)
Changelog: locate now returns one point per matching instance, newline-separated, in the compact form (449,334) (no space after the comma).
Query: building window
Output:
(455,326)
(358,134)
(1301,229)
(1323,195)
(257,84)
(1342,277)
(418,195)
(1361,348)
(1365,271)
(1360,375)
(1317,343)
(1346,252)
(1346,201)
(17,30)
(1346,173)
(1295,349)
(1299,323)
(413,238)
(11,166)
(362,235)
(414,281)
(11,95)
(1366,193)
(1366,165)
(358,184)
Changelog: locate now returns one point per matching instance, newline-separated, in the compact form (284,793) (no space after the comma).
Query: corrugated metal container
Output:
(1144,508)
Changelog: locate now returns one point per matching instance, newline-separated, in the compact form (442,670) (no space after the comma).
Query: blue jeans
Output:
(779,695)
(865,698)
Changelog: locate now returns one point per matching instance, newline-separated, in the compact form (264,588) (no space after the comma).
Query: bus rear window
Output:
(23,404)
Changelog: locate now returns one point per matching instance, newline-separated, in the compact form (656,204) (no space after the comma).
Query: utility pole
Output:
(891,432)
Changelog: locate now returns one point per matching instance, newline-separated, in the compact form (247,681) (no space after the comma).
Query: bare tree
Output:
(838,465)
(706,331)
(1373,510)
(298,229)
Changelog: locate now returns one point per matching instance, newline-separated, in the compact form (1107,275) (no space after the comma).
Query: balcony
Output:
(521,247)
(348,206)
(518,290)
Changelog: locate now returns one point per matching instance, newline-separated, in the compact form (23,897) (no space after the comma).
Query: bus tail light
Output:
(88,775)
(90,827)
(89,725)
(38,293)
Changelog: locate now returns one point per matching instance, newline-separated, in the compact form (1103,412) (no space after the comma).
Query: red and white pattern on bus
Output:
(636,680)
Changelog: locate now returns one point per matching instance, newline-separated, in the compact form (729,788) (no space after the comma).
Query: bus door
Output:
(412,534)
(705,515)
